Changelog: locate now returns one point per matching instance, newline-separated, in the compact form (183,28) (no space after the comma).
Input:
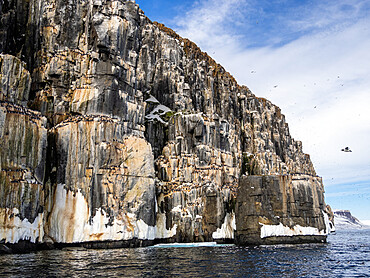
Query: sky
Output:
(310,58)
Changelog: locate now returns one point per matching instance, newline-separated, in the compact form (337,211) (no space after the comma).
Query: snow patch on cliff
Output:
(227,228)
(177,209)
(281,230)
(328,224)
(161,231)
(158,112)
(13,229)
(142,230)
(152,99)
(70,221)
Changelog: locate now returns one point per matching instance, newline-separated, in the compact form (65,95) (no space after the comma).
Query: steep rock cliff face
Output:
(280,209)
(104,183)
(23,141)
(143,135)
(99,180)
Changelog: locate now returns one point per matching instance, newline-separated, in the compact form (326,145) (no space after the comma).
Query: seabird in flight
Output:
(346,150)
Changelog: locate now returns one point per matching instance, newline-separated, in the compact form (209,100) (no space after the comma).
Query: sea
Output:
(347,254)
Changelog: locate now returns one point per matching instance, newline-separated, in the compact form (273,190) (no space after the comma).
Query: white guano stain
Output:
(161,231)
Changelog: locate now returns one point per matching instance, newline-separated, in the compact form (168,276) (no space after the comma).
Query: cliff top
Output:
(193,51)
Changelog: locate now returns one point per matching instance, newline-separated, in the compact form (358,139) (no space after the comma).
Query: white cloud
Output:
(208,23)
(326,112)
(329,15)
(323,76)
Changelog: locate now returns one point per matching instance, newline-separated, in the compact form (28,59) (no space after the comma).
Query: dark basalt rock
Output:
(245,240)
(5,249)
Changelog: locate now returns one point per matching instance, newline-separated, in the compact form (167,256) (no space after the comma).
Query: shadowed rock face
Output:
(135,133)
(279,209)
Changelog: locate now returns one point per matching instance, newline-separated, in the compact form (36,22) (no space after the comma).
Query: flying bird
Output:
(346,150)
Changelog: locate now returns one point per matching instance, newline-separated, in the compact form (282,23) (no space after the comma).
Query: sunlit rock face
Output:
(99,180)
(135,133)
(105,182)
(23,142)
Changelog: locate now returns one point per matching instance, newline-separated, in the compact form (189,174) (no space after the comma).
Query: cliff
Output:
(115,131)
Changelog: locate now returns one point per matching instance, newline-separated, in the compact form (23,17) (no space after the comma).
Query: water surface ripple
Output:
(346,255)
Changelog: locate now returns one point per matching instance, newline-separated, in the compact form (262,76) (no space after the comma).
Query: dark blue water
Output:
(346,255)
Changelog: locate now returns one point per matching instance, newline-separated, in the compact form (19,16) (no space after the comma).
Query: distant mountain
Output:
(343,219)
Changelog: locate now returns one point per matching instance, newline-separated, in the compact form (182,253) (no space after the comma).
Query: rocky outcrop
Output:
(280,209)
(135,133)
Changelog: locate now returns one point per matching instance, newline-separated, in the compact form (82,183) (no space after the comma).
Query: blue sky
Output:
(317,52)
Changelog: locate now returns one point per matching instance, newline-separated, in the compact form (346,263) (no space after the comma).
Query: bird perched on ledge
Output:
(346,150)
